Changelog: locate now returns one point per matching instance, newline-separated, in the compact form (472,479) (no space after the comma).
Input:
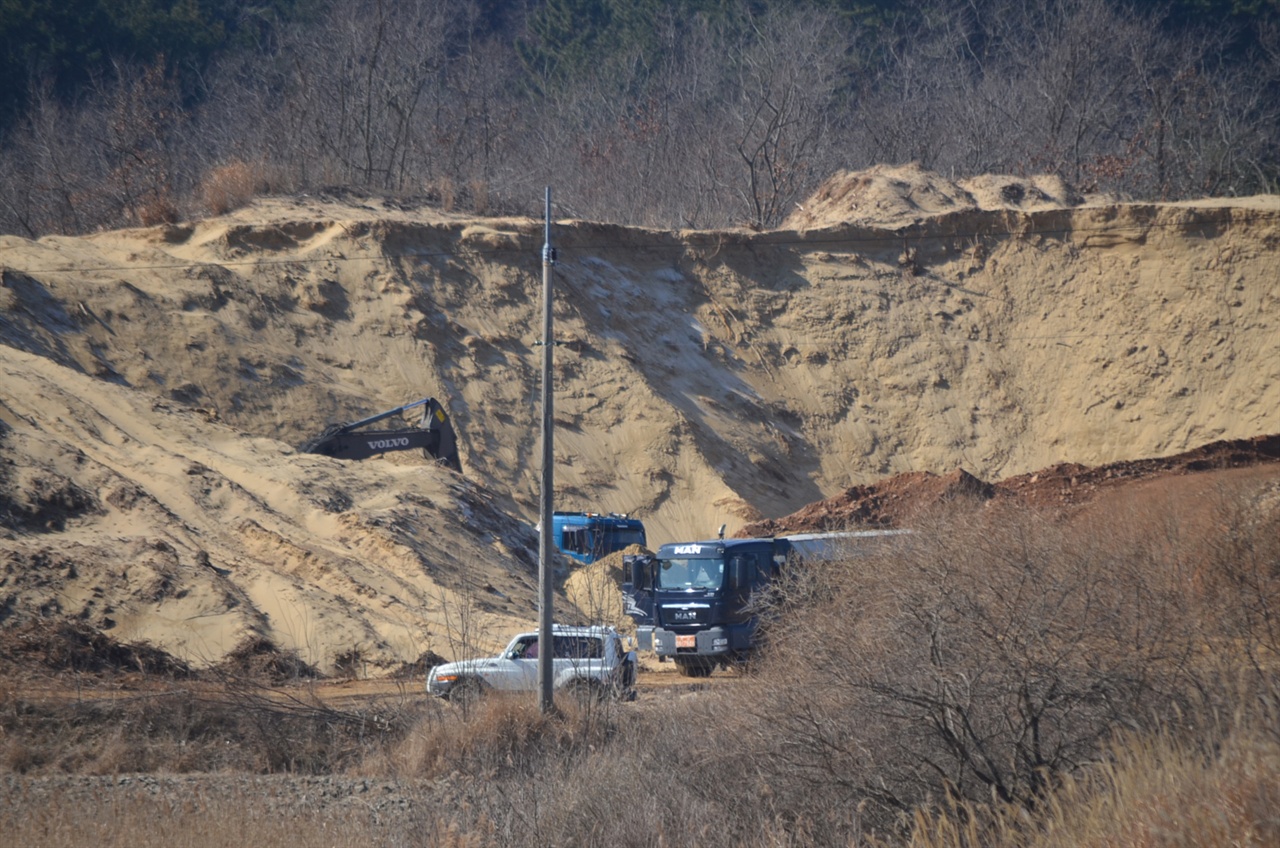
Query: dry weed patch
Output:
(1157,789)
(229,187)
(502,736)
(193,728)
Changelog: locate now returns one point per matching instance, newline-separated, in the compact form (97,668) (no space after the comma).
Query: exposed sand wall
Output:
(155,381)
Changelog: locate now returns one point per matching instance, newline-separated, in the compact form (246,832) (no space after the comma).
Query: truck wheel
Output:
(466,693)
(694,668)
(629,675)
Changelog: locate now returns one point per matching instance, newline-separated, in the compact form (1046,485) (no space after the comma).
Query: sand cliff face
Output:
(156,382)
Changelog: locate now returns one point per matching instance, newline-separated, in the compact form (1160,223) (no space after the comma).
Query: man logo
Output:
(688,549)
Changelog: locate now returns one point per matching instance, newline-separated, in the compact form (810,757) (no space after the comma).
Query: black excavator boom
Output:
(433,434)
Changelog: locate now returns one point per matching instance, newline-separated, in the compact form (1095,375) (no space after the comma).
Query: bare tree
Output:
(143,121)
(787,77)
(41,178)
(722,117)
(365,75)
(109,160)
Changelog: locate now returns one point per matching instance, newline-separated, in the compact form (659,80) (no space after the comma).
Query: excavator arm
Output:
(433,434)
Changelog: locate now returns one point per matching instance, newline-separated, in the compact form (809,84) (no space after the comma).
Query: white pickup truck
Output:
(589,663)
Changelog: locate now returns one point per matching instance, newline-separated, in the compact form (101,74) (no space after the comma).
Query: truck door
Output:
(637,596)
(637,590)
(747,573)
(519,667)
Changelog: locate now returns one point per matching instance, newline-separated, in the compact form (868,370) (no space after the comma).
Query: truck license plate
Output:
(686,642)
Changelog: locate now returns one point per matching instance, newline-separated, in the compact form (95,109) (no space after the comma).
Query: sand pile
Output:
(596,589)
(894,195)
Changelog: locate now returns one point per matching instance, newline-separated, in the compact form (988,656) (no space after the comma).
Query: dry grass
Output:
(158,208)
(1160,790)
(502,736)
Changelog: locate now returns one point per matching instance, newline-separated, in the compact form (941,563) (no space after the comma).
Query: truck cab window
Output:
(619,539)
(576,540)
(578,648)
(763,569)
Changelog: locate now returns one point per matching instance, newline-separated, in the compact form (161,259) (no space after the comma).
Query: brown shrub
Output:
(995,652)
(445,192)
(258,660)
(156,209)
(480,199)
(229,187)
(500,735)
(60,645)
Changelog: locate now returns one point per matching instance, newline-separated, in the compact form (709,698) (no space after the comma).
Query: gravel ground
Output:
(388,804)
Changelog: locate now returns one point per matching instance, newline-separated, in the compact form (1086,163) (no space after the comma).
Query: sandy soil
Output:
(157,382)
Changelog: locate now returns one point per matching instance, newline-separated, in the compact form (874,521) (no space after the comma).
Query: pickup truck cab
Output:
(589,662)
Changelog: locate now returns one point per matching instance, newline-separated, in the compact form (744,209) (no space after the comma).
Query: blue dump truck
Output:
(589,536)
(691,601)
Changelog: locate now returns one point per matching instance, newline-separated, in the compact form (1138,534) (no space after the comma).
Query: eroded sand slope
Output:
(155,383)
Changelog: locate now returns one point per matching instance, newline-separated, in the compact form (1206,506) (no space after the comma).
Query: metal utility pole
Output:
(545,645)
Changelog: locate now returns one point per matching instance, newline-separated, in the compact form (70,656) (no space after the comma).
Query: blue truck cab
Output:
(692,601)
(589,536)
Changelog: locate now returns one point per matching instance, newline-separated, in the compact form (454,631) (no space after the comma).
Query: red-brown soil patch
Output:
(893,502)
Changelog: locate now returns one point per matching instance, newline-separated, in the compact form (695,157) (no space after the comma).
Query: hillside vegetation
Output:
(697,113)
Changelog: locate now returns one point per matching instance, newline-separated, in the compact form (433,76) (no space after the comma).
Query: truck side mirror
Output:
(639,571)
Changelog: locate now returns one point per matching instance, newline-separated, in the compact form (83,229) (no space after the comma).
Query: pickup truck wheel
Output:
(585,692)
(466,692)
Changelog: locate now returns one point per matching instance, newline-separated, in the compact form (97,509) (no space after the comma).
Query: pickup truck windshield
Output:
(691,573)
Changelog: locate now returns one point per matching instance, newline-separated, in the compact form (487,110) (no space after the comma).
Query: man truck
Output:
(691,601)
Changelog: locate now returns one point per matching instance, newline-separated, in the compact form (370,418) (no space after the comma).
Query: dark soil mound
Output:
(61,645)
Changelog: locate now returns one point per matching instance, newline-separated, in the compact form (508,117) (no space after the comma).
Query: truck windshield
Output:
(617,539)
(691,573)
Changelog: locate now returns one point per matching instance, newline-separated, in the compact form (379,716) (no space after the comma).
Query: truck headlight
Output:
(720,643)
